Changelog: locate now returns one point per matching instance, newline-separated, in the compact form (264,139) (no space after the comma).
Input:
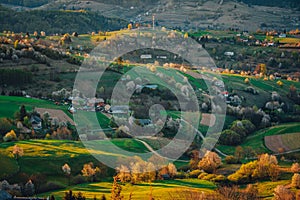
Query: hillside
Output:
(57,21)
(245,14)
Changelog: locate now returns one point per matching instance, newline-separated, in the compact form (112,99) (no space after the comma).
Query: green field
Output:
(256,140)
(160,189)
(236,83)
(47,156)
(9,105)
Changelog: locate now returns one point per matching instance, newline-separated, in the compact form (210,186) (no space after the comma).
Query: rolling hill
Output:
(57,21)
(194,14)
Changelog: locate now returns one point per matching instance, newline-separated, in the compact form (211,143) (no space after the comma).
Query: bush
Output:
(202,175)
(10,136)
(211,177)
(230,137)
(218,178)
(231,160)
(181,175)
(195,173)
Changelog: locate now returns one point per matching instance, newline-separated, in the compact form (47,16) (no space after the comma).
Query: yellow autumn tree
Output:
(247,81)
(129,26)
(279,83)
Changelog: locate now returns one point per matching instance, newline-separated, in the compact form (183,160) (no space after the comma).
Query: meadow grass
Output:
(159,189)
(10,104)
(47,156)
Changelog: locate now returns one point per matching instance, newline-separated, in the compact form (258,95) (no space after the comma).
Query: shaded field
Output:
(285,142)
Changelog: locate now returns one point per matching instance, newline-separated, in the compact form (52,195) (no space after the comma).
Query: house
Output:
(152,87)
(122,109)
(36,122)
(146,56)
(144,122)
(83,137)
(225,94)
(229,53)
(282,35)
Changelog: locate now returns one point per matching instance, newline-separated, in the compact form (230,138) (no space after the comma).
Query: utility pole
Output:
(153,21)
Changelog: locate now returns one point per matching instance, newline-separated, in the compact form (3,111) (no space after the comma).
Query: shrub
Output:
(230,137)
(295,168)
(50,186)
(231,160)
(10,136)
(210,162)
(296,180)
(180,175)
(202,175)
(195,173)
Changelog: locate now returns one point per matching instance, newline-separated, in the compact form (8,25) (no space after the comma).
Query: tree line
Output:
(15,77)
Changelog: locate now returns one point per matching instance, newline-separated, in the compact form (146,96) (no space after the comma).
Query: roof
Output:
(145,121)
(35,119)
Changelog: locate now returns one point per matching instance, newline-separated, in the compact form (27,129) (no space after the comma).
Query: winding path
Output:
(155,152)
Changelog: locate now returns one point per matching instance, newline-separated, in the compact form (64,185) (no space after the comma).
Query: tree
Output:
(247,81)
(239,153)
(230,137)
(116,190)
(263,69)
(296,181)
(5,126)
(265,166)
(295,168)
(282,193)
(193,164)
(18,152)
(172,171)
(129,26)
(29,188)
(67,170)
(124,174)
(279,83)
(89,171)
(23,112)
(10,136)
(210,162)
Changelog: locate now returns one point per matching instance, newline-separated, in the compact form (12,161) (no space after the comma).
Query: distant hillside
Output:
(276,3)
(56,21)
(193,14)
(125,3)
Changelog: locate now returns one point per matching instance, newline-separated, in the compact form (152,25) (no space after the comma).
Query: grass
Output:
(256,140)
(266,189)
(47,156)
(9,105)
(159,189)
